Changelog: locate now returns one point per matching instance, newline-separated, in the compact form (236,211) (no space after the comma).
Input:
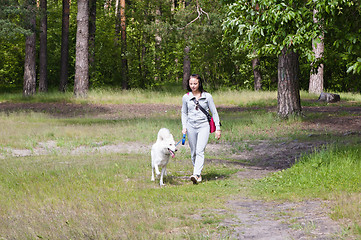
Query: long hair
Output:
(200,82)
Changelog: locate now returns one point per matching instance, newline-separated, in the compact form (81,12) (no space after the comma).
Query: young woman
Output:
(195,123)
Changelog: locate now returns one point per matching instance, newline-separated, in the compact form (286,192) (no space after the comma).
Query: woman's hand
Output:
(218,134)
(184,131)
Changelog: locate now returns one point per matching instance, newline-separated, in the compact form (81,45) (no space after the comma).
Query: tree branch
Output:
(200,12)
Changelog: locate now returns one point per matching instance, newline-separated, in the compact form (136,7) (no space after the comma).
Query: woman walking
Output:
(195,122)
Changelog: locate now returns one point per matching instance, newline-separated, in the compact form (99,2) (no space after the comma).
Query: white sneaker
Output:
(199,179)
(196,179)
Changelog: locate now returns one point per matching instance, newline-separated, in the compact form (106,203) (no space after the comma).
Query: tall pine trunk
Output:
(186,67)
(288,95)
(29,87)
(158,45)
(123,31)
(43,56)
(64,61)
(81,80)
(186,58)
(92,30)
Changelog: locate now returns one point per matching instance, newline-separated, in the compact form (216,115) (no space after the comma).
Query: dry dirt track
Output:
(253,219)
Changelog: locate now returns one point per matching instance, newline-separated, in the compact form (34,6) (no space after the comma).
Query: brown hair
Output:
(200,82)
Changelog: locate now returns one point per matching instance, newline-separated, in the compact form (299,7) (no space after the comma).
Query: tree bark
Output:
(158,45)
(64,62)
(186,67)
(29,87)
(43,56)
(81,80)
(121,33)
(316,78)
(288,95)
(257,74)
(92,30)
(186,58)
(123,30)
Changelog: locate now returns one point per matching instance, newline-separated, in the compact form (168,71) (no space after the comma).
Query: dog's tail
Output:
(163,134)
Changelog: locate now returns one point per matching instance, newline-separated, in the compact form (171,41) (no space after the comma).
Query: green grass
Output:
(110,196)
(332,173)
(26,130)
(106,196)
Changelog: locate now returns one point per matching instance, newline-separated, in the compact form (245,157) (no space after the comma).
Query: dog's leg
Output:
(156,169)
(152,179)
(161,176)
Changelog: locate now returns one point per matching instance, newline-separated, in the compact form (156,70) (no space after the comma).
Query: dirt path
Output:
(252,219)
(256,219)
(264,220)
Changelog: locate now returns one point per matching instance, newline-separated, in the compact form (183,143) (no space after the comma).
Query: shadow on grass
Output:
(212,175)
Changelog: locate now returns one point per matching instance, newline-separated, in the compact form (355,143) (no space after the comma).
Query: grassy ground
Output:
(110,196)
(106,197)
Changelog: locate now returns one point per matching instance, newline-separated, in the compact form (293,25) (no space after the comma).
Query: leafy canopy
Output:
(267,26)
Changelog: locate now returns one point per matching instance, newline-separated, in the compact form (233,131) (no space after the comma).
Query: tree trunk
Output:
(81,80)
(29,87)
(43,57)
(288,95)
(186,58)
(186,67)
(64,62)
(158,46)
(257,74)
(121,33)
(92,29)
(316,78)
(123,30)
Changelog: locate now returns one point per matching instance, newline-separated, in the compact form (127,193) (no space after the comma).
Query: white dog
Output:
(162,149)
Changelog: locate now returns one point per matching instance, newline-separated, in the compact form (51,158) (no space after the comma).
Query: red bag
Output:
(212,125)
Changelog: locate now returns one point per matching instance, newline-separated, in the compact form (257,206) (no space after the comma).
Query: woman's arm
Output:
(213,109)
(184,114)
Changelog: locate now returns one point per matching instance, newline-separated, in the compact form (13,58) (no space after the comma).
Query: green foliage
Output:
(222,42)
(268,27)
(12,14)
(11,64)
(341,20)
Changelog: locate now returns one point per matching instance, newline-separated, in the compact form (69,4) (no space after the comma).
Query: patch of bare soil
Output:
(108,111)
(252,219)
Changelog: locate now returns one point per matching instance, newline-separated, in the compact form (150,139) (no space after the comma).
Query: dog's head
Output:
(171,146)
(165,138)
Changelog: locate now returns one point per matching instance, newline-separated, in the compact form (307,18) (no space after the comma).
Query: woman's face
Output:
(194,84)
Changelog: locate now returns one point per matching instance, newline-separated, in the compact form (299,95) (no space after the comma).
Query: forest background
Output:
(157,44)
